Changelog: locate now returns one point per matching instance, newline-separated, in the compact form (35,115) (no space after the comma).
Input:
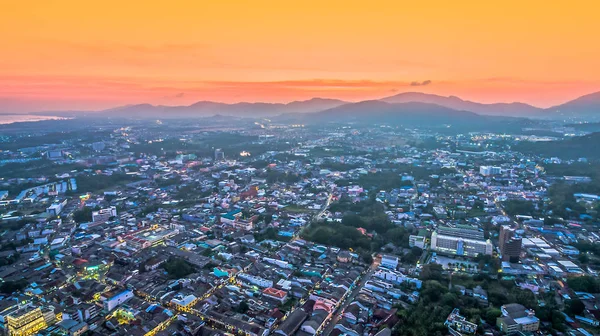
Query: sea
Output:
(14,118)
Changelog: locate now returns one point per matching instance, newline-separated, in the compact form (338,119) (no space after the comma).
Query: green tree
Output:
(431,272)
(584,284)
(575,307)
(242,307)
(83,215)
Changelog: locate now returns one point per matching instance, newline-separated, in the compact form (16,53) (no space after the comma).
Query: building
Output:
(511,250)
(510,245)
(258,281)
(114,299)
(418,241)
(103,215)
(489,170)
(292,323)
(73,327)
(516,317)
(54,154)
(219,154)
(27,320)
(98,146)
(461,240)
(56,208)
(458,324)
(275,294)
(184,303)
(147,238)
(390,262)
(344,256)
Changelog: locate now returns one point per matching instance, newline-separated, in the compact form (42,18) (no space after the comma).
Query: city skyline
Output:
(66,55)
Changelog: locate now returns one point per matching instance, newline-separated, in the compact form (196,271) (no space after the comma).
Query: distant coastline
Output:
(6,119)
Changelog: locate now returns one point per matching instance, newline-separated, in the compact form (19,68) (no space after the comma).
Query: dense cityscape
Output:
(227,226)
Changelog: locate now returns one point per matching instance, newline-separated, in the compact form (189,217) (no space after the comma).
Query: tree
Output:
(10,287)
(575,307)
(178,268)
(492,314)
(431,272)
(584,284)
(524,297)
(83,215)
(583,258)
(243,307)
(367,258)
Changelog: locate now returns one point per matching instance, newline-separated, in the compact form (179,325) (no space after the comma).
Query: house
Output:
(275,294)
(324,304)
(390,262)
(351,313)
(292,323)
(516,317)
(248,239)
(344,257)
(314,323)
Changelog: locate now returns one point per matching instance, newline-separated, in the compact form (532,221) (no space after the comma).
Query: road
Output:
(337,315)
(316,217)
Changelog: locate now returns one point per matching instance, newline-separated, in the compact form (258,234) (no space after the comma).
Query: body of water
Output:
(13,118)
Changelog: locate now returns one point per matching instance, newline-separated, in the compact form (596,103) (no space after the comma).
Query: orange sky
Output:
(99,54)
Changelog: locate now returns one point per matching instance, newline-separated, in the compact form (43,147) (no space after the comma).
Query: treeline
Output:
(437,301)
(391,176)
(368,215)
(93,183)
(573,148)
(178,268)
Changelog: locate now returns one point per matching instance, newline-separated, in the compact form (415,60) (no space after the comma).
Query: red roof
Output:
(274,292)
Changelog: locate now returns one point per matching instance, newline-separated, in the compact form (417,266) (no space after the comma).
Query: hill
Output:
(208,108)
(587,107)
(416,115)
(455,103)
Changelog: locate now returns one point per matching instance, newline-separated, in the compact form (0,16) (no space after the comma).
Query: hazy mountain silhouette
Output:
(377,110)
(587,106)
(208,108)
(497,109)
(582,107)
(422,115)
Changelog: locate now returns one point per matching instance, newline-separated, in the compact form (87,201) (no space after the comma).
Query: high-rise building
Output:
(506,232)
(510,245)
(489,170)
(28,319)
(512,250)
(219,154)
(104,215)
(461,240)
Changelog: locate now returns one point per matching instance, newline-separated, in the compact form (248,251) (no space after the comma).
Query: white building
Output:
(104,215)
(260,282)
(460,241)
(113,301)
(56,208)
(418,241)
(390,262)
(489,170)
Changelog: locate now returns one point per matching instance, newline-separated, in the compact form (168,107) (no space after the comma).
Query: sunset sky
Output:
(80,55)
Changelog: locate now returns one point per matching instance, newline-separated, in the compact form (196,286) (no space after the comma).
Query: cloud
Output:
(177,95)
(423,83)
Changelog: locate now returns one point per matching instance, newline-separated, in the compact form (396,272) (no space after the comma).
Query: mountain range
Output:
(587,106)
